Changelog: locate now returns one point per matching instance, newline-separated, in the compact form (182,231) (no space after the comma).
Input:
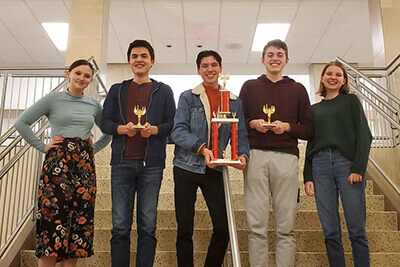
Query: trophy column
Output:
(222,118)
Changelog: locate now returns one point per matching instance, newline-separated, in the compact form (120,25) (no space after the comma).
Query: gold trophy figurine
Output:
(269,112)
(139,112)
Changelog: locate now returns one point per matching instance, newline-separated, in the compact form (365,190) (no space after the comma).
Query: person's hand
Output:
(257,124)
(242,165)
(54,143)
(148,130)
(127,129)
(355,178)
(281,127)
(309,188)
(208,156)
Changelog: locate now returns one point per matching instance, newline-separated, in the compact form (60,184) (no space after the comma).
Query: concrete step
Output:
(167,186)
(307,241)
(306,220)
(166,202)
(168,259)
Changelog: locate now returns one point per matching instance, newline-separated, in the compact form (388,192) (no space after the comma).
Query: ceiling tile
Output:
(200,3)
(123,15)
(162,3)
(241,3)
(328,49)
(171,55)
(192,50)
(201,31)
(207,15)
(165,31)
(280,2)
(126,33)
(16,14)
(314,14)
(49,10)
(237,15)
(162,14)
(232,31)
(275,14)
(126,3)
(11,51)
(116,53)
(320,2)
(238,55)
(301,50)
(352,13)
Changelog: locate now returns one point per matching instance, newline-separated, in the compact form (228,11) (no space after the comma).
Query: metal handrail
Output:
(20,153)
(378,109)
(385,103)
(231,219)
(390,181)
(389,69)
(376,85)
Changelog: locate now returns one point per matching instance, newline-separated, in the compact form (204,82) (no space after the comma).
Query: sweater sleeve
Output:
(363,137)
(181,134)
(243,96)
(109,119)
(105,139)
(33,113)
(165,128)
(307,172)
(304,128)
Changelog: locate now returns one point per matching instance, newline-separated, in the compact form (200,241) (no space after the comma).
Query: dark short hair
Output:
(208,53)
(140,43)
(81,62)
(345,89)
(277,43)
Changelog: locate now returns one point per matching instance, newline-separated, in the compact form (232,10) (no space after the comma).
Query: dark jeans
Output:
(129,178)
(211,185)
(331,171)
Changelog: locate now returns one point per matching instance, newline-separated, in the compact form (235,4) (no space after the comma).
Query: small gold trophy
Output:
(269,112)
(139,112)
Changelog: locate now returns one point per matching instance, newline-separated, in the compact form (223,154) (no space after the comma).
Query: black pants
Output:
(211,185)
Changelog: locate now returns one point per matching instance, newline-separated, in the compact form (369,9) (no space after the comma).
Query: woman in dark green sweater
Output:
(336,161)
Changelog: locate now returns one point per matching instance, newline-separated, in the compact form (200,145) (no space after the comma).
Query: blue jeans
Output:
(331,171)
(128,178)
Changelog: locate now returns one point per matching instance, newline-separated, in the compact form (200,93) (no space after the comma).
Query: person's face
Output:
(140,60)
(209,70)
(80,77)
(274,60)
(333,79)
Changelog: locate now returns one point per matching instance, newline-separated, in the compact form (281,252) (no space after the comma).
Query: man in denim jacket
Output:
(192,167)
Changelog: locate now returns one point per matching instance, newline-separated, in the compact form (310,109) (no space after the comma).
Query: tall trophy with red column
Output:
(225,116)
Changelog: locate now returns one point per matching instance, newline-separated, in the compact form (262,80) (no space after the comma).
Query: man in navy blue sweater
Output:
(138,155)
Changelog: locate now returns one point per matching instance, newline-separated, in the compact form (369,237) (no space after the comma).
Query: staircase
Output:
(384,238)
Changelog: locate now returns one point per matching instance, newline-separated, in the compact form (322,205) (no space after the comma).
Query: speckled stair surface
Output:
(381,225)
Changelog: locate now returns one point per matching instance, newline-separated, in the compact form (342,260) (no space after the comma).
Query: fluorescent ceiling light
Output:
(267,32)
(58,33)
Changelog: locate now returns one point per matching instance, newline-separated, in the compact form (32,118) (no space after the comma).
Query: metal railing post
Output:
(231,219)
(3,101)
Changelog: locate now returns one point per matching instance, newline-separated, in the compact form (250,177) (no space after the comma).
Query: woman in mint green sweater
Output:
(336,161)
(67,185)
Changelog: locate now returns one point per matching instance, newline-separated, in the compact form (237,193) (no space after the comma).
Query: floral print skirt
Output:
(66,198)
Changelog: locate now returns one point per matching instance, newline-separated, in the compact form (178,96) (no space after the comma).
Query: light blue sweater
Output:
(69,116)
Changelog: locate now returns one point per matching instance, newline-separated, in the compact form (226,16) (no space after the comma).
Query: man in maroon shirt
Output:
(138,155)
(273,164)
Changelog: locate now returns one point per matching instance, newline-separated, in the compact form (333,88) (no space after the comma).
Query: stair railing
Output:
(381,107)
(21,164)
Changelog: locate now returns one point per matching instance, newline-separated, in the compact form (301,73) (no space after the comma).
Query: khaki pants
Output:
(275,172)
